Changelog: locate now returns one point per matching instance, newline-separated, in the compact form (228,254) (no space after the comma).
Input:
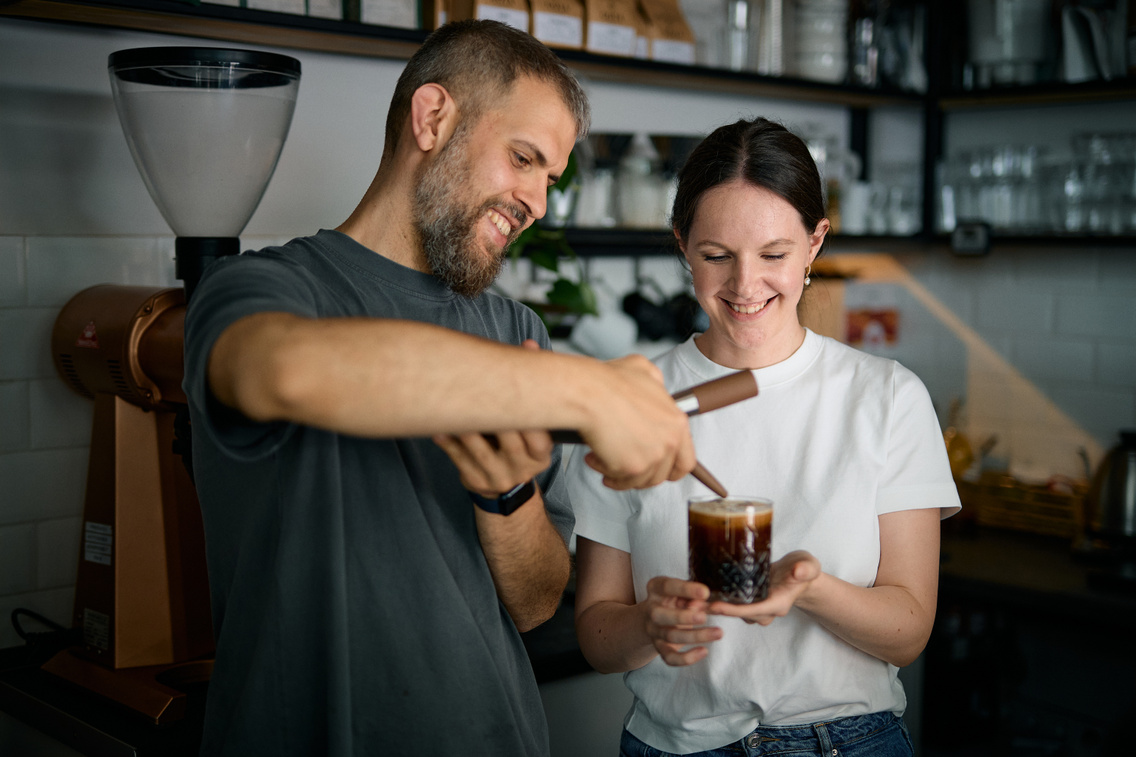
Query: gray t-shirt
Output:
(353,608)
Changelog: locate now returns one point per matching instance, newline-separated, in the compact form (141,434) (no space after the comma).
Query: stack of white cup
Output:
(821,50)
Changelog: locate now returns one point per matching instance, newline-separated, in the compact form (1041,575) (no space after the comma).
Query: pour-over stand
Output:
(205,127)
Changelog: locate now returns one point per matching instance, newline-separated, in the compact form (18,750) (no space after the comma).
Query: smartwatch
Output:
(507,502)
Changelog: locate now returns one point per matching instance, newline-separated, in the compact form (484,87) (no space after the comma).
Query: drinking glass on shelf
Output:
(1000,184)
(1107,166)
(1073,198)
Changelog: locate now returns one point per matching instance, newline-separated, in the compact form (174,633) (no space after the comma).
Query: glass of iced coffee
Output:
(729,546)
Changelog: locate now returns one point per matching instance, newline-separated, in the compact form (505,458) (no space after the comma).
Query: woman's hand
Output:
(676,619)
(789,578)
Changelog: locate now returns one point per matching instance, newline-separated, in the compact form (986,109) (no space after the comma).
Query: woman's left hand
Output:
(789,577)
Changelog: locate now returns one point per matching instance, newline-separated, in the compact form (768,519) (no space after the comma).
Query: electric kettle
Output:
(1109,517)
(1111,500)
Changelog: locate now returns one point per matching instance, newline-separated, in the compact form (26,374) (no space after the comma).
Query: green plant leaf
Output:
(545,258)
(577,296)
(546,247)
(521,243)
(569,173)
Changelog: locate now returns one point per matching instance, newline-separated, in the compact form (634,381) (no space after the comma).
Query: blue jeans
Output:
(881,734)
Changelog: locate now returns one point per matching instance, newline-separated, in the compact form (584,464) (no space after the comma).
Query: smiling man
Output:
(373,557)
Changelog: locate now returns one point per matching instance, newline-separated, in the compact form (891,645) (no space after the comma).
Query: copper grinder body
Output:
(142,593)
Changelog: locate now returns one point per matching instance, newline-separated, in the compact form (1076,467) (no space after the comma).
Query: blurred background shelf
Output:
(249,26)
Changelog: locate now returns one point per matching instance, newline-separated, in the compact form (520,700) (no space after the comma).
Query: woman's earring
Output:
(807,272)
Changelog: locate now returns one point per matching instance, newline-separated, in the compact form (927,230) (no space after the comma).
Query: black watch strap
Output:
(507,502)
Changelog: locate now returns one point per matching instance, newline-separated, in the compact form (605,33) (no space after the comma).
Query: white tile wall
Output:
(1096,316)
(1116,364)
(25,334)
(17,559)
(59,416)
(1014,309)
(1061,272)
(42,484)
(59,267)
(57,552)
(1057,360)
(15,418)
(12,272)
(1117,273)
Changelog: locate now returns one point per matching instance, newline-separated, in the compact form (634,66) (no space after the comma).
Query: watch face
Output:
(517,497)
(507,502)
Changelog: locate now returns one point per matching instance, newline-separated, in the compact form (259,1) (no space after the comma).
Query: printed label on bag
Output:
(98,543)
(96,629)
(517,19)
(558,29)
(610,38)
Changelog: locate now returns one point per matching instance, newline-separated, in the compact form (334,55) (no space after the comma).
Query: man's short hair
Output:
(477,61)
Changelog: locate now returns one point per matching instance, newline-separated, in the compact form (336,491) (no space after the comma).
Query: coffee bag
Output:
(610,26)
(515,13)
(669,36)
(559,23)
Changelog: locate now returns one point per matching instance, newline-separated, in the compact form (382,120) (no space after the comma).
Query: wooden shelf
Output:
(255,27)
(1051,239)
(225,23)
(1054,93)
(623,242)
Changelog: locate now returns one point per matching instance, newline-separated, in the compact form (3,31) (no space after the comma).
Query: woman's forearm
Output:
(613,637)
(887,622)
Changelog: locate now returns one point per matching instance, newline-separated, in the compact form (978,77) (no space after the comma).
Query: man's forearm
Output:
(384,378)
(528,560)
(387,378)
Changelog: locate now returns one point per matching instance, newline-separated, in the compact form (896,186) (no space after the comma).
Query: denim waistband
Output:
(829,735)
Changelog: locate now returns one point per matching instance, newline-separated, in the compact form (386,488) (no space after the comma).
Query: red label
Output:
(89,338)
(873,327)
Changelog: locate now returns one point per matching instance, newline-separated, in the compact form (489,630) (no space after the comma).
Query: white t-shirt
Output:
(835,437)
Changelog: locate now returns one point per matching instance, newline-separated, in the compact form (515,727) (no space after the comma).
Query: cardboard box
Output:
(671,39)
(558,23)
(332,9)
(515,13)
(435,13)
(278,6)
(643,33)
(399,13)
(611,27)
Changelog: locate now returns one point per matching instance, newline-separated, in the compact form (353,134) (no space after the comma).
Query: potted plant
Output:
(545,243)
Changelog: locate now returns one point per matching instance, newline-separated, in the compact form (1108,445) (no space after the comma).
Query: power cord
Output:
(38,641)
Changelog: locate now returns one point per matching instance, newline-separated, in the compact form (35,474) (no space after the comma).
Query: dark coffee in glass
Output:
(729,547)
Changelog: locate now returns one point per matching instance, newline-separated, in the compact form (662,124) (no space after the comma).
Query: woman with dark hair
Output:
(845,444)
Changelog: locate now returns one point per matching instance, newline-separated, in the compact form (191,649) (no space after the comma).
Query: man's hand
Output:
(492,465)
(639,437)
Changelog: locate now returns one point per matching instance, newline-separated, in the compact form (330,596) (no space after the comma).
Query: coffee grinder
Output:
(205,127)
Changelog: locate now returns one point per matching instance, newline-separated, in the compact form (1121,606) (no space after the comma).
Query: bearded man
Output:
(382,507)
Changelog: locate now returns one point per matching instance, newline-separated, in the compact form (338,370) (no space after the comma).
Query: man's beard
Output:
(448,229)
